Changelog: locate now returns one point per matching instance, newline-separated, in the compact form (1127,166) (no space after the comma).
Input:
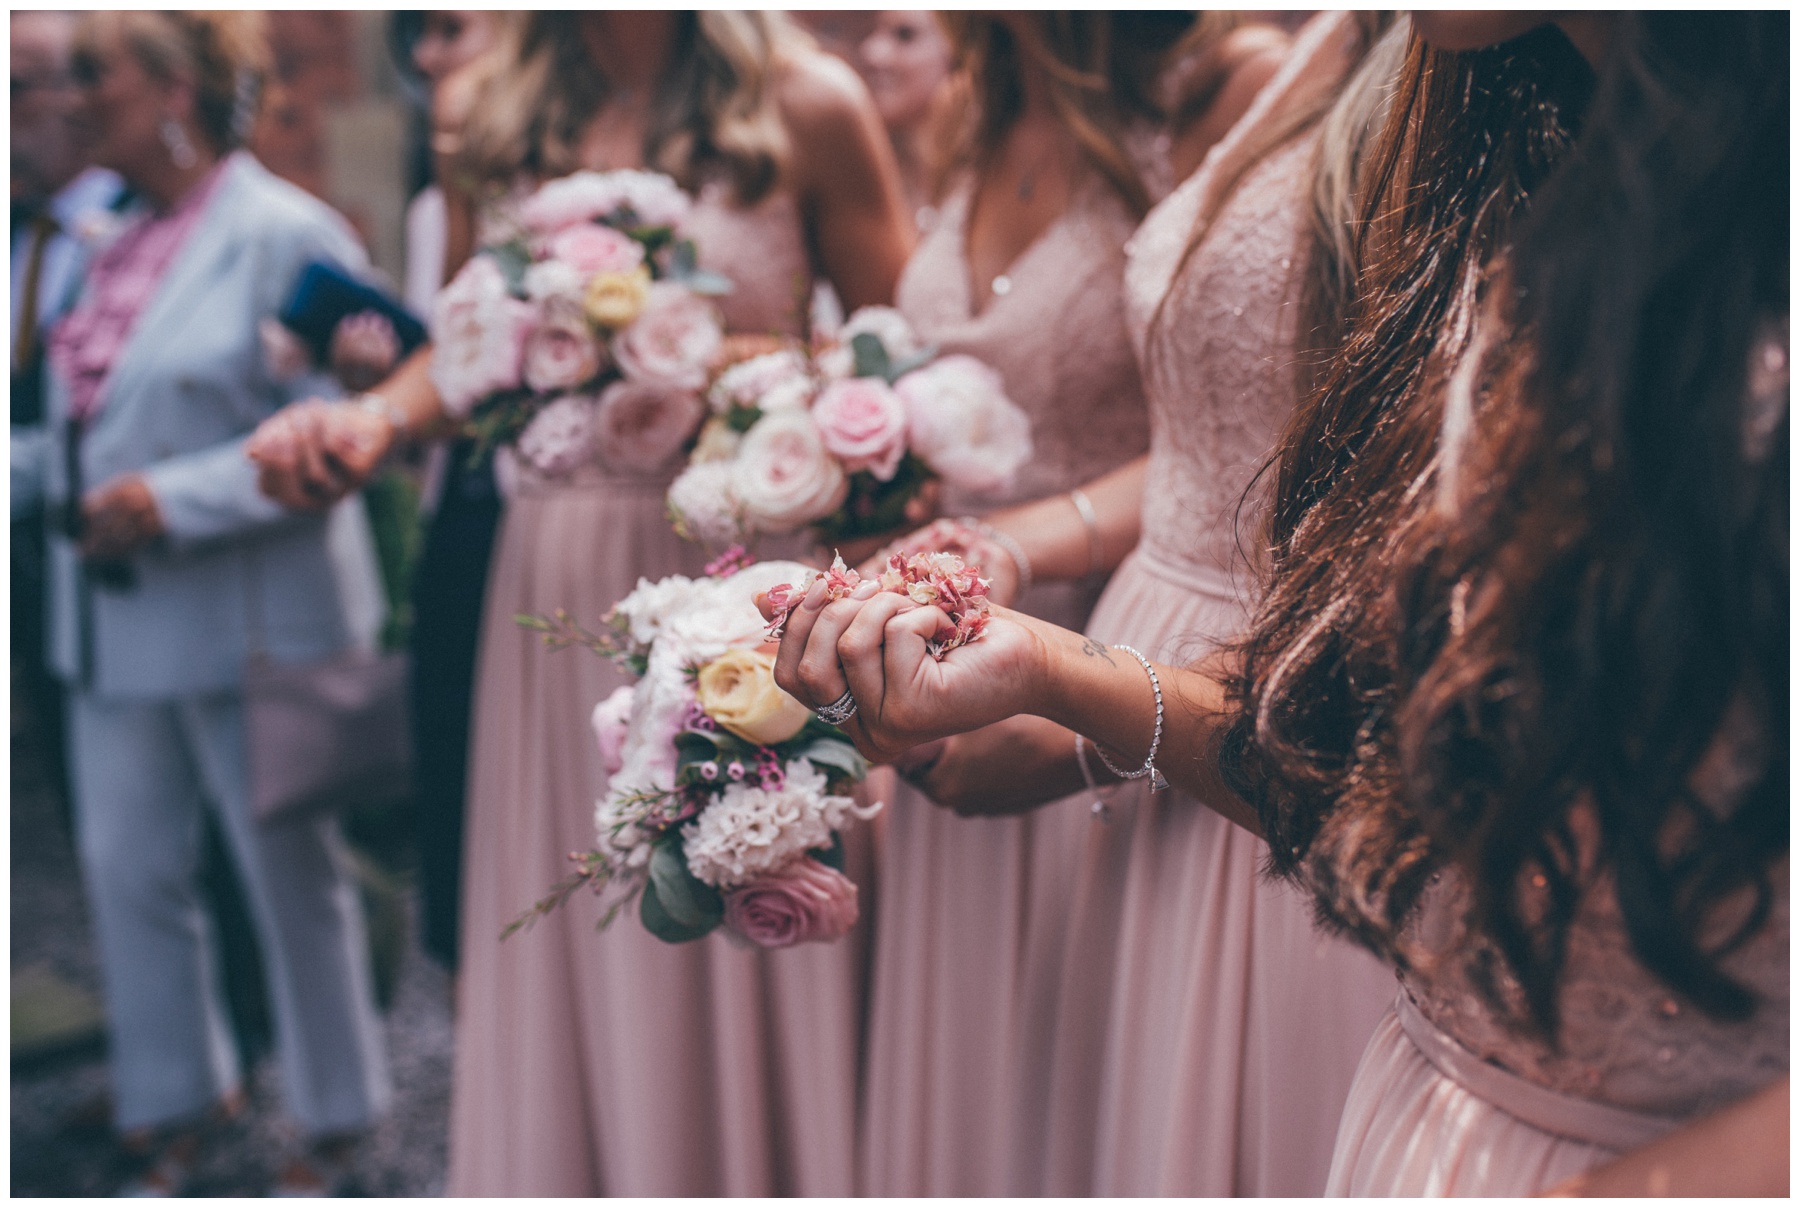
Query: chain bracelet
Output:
(1007,542)
(1149,769)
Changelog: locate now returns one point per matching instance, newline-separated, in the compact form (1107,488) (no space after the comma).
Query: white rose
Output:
(784,476)
(478,335)
(714,618)
(554,279)
(650,604)
(885,324)
(642,425)
(962,425)
(702,506)
(560,438)
(673,340)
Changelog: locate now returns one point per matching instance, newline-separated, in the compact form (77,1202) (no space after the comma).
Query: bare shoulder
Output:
(821,95)
(1252,54)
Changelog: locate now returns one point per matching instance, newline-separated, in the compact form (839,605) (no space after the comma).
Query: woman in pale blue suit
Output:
(168,566)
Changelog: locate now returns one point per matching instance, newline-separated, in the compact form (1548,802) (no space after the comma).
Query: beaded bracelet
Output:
(1091,519)
(1149,768)
(376,404)
(1007,542)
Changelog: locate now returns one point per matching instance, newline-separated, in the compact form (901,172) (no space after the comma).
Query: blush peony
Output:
(802,903)
(784,476)
(478,335)
(703,507)
(673,341)
(643,425)
(863,421)
(960,422)
(589,248)
(561,351)
(651,198)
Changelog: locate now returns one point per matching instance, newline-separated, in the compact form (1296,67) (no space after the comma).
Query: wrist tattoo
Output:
(1094,649)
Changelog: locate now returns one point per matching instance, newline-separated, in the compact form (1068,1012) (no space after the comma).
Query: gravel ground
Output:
(61,1143)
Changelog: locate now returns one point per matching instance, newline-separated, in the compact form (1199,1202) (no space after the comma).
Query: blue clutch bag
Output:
(325,295)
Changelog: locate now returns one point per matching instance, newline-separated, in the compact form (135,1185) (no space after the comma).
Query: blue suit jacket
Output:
(189,387)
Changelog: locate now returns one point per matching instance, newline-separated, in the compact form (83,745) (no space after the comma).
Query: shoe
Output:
(325,1170)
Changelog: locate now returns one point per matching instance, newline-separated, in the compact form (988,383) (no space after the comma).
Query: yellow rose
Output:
(738,691)
(614,300)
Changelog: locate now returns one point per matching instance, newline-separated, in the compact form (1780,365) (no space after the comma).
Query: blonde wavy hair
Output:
(225,54)
(715,110)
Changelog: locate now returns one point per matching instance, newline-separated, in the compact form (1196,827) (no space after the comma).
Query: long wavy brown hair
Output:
(1104,70)
(1513,652)
(715,110)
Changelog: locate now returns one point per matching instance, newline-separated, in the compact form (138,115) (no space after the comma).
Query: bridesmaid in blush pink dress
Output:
(973,910)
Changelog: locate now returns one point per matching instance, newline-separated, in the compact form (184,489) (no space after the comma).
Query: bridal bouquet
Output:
(841,436)
(584,331)
(727,794)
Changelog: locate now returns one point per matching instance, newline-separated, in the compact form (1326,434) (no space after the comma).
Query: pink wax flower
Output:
(863,422)
(801,903)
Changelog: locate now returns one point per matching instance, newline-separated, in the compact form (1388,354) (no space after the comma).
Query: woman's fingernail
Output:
(815,595)
(865,589)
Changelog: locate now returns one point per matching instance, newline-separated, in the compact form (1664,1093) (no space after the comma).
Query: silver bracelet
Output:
(377,404)
(1091,518)
(1149,768)
(1100,809)
(1007,542)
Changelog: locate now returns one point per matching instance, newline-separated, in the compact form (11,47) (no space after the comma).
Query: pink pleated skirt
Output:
(1206,1032)
(1426,1117)
(611,1063)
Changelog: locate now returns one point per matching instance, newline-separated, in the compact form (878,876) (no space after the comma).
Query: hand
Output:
(955,537)
(118,518)
(311,454)
(364,349)
(873,644)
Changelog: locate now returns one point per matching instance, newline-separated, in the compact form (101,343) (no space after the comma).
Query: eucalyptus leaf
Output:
(513,258)
(684,261)
(906,365)
(871,355)
(711,284)
(836,753)
(658,922)
(683,896)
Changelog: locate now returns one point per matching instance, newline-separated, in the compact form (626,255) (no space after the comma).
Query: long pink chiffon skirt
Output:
(611,1063)
(967,947)
(1428,1118)
(1207,1032)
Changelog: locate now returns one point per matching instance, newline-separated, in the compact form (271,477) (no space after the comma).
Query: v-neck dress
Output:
(971,910)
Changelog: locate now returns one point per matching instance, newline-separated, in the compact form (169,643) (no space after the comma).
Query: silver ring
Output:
(838,711)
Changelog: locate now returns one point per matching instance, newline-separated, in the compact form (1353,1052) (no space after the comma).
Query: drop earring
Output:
(181,150)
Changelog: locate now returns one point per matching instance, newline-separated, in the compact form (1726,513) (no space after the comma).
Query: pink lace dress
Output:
(1208,1033)
(1452,1100)
(971,910)
(611,1063)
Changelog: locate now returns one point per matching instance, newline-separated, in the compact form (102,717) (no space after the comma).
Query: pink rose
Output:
(561,351)
(612,722)
(801,903)
(863,422)
(591,249)
(962,425)
(673,340)
(643,425)
(560,438)
(478,333)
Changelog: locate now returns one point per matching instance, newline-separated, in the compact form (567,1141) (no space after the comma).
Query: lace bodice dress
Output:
(1493,1108)
(972,909)
(615,1064)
